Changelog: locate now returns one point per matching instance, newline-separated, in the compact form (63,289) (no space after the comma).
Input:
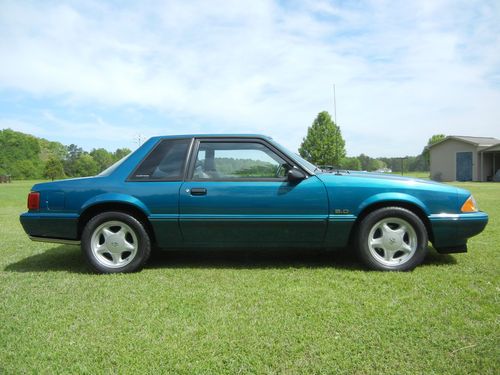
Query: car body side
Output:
(322,210)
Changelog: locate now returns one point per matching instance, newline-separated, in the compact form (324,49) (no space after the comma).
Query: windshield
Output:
(309,166)
(305,163)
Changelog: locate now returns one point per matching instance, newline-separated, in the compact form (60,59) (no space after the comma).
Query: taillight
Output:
(33,200)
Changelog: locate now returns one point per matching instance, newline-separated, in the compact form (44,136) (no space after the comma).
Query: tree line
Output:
(23,156)
(324,146)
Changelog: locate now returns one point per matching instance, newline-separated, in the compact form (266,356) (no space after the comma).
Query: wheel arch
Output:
(115,206)
(408,205)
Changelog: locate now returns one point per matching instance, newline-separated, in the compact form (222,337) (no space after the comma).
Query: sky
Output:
(101,74)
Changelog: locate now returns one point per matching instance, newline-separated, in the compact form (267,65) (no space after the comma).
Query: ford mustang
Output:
(192,191)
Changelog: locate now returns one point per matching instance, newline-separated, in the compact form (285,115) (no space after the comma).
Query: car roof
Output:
(181,136)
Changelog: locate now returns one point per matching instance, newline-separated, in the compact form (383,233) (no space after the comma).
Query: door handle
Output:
(198,191)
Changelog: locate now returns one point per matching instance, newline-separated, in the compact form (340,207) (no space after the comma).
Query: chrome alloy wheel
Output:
(392,241)
(114,244)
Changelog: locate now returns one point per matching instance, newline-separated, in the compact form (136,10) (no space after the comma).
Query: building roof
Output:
(491,148)
(476,141)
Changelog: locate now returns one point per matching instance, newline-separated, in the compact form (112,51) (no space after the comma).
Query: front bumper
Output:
(50,225)
(451,231)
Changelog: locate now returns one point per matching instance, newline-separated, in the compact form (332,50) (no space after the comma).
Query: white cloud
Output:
(403,71)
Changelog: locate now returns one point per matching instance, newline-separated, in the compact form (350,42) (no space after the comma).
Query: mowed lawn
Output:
(254,312)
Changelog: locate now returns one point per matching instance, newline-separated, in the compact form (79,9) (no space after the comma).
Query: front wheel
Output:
(392,239)
(114,242)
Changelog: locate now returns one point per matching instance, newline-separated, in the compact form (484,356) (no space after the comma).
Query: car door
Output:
(237,192)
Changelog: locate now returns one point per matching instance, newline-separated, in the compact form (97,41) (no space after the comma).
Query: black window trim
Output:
(130,177)
(196,145)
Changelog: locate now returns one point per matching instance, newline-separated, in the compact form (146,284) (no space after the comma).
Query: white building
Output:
(463,158)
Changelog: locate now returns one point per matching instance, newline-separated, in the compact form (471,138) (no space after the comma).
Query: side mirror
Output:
(295,175)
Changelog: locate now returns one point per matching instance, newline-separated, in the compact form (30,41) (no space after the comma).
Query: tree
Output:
(24,169)
(20,154)
(121,153)
(85,165)
(376,164)
(102,157)
(351,163)
(24,156)
(54,169)
(365,162)
(50,149)
(372,164)
(435,139)
(323,144)
(417,163)
(425,152)
(74,152)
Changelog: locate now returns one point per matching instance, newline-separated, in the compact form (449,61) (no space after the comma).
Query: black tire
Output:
(115,242)
(391,239)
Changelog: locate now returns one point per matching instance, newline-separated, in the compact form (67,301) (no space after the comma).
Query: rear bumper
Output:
(451,231)
(50,226)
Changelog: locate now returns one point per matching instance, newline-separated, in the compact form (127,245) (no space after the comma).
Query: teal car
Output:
(241,191)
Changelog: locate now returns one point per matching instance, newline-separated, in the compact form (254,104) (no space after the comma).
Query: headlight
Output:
(470,205)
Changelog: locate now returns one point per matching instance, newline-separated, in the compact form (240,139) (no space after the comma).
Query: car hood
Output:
(375,175)
(368,179)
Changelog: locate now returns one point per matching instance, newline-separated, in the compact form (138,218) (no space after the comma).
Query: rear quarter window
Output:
(165,163)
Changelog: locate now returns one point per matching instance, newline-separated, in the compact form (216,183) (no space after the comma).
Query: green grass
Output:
(416,174)
(247,312)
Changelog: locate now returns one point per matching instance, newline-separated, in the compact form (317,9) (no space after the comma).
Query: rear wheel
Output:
(114,242)
(392,239)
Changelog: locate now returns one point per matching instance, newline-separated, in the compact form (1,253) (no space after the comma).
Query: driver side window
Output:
(238,160)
